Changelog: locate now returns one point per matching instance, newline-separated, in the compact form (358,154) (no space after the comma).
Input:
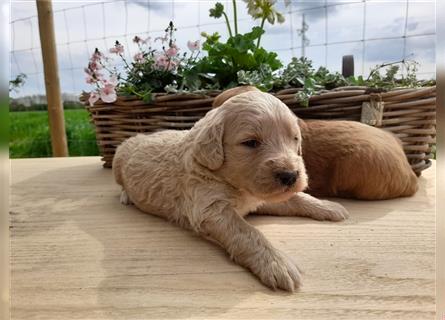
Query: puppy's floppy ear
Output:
(303,128)
(226,95)
(302,124)
(208,147)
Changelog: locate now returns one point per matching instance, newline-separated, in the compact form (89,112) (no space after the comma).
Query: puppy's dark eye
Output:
(296,139)
(251,143)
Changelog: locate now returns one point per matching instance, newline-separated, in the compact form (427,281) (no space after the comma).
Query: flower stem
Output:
(197,55)
(136,93)
(262,27)
(382,66)
(235,17)
(125,62)
(228,24)
(105,67)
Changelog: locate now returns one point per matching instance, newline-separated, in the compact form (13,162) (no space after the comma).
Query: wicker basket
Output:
(408,113)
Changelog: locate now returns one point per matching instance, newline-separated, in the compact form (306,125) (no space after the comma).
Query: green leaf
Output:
(211,39)
(147,97)
(309,83)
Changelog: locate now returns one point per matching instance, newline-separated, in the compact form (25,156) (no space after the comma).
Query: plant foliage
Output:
(239,60)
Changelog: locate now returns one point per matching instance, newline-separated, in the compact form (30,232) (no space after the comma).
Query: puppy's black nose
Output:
(287,178)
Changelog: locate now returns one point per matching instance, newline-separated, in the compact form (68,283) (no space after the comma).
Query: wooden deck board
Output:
(78,254)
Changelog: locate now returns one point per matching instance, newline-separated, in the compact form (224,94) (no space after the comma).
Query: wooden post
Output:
(52,85)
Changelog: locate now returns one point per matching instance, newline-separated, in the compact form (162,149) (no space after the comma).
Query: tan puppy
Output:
(349,159)
(241,157)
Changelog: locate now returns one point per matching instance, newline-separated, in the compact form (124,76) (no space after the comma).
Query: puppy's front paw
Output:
(125,199)
(332,211)
(276,270)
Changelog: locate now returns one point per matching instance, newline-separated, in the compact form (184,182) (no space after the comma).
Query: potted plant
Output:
(165,87)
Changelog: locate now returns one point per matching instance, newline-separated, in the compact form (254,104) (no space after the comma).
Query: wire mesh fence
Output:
(333,30)
(324,31)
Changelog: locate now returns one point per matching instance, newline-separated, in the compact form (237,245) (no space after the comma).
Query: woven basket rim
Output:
(166,96)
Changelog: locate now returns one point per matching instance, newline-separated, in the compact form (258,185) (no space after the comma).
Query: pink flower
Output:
(117,49)
(88,71)
(108,93)
(93,65)
(97,75)
(92,75)
(113,80)
(139,40)
(173,65)
(97,55)
(163,39)
(139,57)
(90,80)
(163,62)
(172,51)
(94,96)
(193,45)
(147,40)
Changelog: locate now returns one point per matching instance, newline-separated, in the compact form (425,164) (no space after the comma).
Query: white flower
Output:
(108,93)
(139,57)
(117,49)
(164,63)
(162,39)
(193,45)
(172,51)
(94,96)
(113,80)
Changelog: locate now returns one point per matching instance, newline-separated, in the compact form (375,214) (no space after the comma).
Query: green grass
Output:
(4,123)
(29,135)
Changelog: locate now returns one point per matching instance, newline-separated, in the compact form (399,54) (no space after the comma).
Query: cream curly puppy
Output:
(242,157)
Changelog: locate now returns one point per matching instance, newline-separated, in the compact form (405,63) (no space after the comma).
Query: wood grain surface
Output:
(77,253)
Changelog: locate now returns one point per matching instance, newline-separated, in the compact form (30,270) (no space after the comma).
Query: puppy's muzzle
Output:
(287,178)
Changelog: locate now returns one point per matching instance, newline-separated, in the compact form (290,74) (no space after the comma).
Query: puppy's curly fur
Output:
(349,159)
(242,157)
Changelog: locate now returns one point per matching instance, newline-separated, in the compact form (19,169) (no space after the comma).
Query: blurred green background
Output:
(30,136)
(4,123)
